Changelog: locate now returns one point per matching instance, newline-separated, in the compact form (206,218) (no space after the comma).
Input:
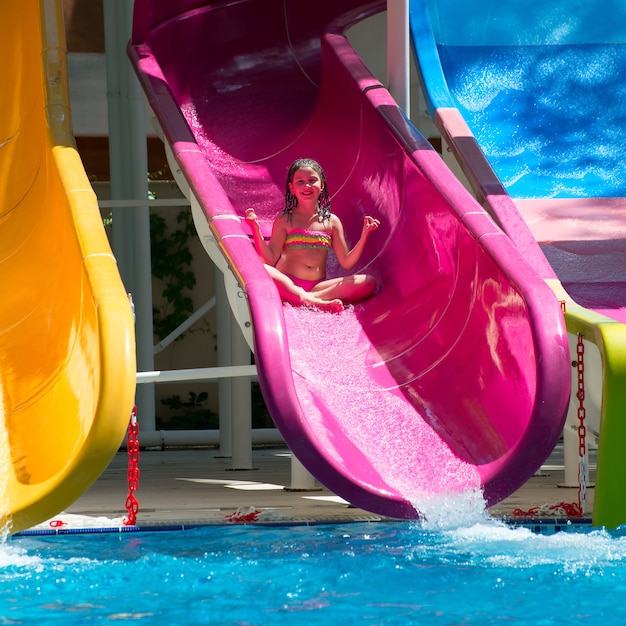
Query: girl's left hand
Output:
(370,223)
(250,215)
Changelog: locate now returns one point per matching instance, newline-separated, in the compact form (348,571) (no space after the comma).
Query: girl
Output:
(302,235)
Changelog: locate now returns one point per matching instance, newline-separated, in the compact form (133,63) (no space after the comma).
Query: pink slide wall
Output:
(455,375)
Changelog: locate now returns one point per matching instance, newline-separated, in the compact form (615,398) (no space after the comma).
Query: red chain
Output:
(243,516)
(563,508)
(560,509)
(583,478)
(132,505)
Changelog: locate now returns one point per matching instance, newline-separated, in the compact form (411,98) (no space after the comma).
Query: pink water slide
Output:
(455,375)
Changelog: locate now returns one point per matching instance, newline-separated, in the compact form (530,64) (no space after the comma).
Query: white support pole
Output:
(224,359)
(241,403)
(129,179)
(301,479)
(398,53)
(166,438)
(571,458)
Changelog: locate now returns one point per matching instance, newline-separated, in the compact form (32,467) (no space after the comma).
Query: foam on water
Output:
(13,556)
(493,544)
(376,573)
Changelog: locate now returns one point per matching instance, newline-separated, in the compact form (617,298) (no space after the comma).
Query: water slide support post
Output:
(129,179)
(224,358)
(398,53)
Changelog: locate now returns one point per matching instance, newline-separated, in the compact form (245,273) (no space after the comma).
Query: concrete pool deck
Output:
(197,486)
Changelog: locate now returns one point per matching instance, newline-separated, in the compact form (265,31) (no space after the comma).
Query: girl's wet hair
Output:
(323,209)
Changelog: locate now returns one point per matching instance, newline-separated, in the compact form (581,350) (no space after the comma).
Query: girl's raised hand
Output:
(250,215)
(370,223)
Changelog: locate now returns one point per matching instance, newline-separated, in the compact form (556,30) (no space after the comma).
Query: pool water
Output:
(356,573)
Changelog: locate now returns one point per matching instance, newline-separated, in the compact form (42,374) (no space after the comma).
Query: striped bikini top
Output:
(300,238)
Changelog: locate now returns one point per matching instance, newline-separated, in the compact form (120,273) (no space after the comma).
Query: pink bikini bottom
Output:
(307,285)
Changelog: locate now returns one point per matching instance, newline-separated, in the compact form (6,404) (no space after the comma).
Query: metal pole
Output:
(129,168)
(182,438)
(301,479)
(398,59)
(196,373)
(571,457)
(224,359)
(121,219)
(241,403)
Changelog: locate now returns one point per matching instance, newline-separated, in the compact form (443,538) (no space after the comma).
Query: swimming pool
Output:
(365,573)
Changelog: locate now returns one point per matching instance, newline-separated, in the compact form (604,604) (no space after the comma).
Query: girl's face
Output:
(306,185)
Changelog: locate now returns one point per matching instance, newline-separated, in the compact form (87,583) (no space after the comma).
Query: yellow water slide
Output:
(67,352)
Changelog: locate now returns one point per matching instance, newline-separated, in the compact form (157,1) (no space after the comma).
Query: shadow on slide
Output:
(67,357)
(455,375)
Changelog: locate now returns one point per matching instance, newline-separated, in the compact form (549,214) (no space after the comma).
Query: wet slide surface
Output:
(67,364)
(455,375)
(541,87)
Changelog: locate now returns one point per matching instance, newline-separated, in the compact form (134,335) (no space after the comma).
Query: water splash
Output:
(448,511)
(496,545)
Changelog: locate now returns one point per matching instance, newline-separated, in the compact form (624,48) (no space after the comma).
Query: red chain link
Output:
(57,523)
(132,505)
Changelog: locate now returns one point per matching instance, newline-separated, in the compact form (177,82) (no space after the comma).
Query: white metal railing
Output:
(123,204)
(190,321)
(195,374)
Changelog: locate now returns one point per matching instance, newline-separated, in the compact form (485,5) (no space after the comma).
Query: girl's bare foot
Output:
(334,306)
